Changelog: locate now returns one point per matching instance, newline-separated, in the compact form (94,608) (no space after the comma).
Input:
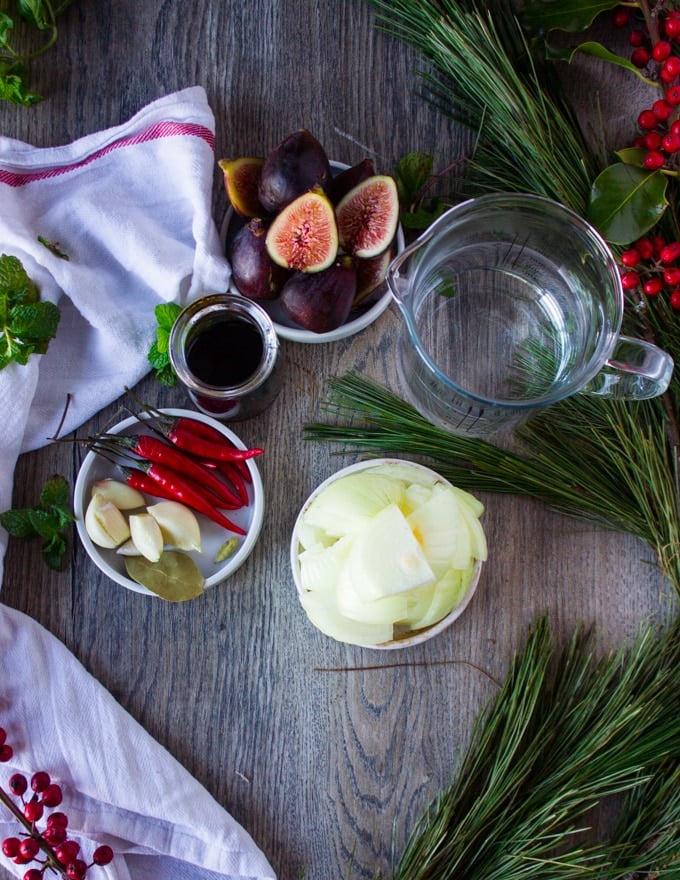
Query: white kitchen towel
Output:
(120,786)
(131,208)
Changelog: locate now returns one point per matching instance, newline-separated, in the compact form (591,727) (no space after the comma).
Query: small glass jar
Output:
(224,349)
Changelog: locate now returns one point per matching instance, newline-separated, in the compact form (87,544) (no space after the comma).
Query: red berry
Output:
(67,851)
(102,855)
(18,784)
(630,258)
(33,874)
(672,27)
(670,253)
(670,69)
(661,50)
(76,870)
(29,848)
(3,735)
(659,243)
(652,286)
(652,140)
(10,847)
(671,143)
(33,811)
(640,57)
(645,247)
(54,835)
(6,752)
(647,120)
(52,795)
(637,38)
(671,277)
(21,860)
(654,160)
(630,280)
(621,17)
(57,820)
(673,95)
(662,110)
(675,298)
(40,780)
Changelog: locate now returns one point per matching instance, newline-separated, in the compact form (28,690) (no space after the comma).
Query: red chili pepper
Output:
(207,449)
(231,471)
(153,449)
(176,488)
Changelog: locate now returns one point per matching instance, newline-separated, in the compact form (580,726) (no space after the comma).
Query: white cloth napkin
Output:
(120,787)
(131,207)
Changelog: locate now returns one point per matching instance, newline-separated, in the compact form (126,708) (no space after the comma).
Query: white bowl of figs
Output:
(387,554)
(160,519)
(309,239)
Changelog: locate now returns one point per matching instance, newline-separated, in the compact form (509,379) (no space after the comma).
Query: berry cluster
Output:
(651,266)
(60,853)
(656,50)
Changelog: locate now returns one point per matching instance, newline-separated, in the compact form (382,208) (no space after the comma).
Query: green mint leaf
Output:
(34,12)
(15,285)
(166,315)
(53,552)
(14,90)
(6,25)
(18,523)
(162,341)
(34,321)
(55,492)
(45,522)
(53,247)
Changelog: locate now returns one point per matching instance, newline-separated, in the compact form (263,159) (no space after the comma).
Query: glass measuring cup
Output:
(512,302)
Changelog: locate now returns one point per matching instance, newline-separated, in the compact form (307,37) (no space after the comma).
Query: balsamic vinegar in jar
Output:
(225,353)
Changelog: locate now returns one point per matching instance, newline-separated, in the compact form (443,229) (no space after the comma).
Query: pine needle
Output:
(566,732)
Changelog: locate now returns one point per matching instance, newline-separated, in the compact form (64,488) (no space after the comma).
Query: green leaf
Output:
(541,16)
(55,492)
(166,314)
(34,12)
(34,321)
(626,202)
(15,283)
(6,26)
(18,523)
(632,156)
(45,522)
(53,552)
(411,174)
(595,50)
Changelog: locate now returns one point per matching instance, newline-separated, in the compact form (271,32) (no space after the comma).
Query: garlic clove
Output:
(129,548)
(105,524)
(178,524)
(146,536)
(123,496)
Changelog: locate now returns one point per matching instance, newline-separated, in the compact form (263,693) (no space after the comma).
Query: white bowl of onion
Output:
(387,554)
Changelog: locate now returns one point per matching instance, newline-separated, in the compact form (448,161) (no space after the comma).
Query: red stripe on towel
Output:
(154,132)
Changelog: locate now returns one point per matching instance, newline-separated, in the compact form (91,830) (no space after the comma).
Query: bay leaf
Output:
(175,577)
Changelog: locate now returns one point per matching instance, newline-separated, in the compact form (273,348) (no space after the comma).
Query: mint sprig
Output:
(48,520)
(158,356)
(26,323)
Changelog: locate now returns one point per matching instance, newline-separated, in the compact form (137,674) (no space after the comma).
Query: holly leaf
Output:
(626,202)
(573,16)
(594,50)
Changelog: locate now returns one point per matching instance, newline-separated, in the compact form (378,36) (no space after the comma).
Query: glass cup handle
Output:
(636,370)
(397,283)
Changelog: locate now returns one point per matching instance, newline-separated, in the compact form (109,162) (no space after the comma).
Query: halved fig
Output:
(371,273)
(368,215)
(297,165)
(253,271)
(241,181)
(320,302)
(348,178)
(304,236)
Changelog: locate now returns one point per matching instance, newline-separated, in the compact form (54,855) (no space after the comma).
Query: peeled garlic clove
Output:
(129,548)
(146,536)
(178,524)
(105,524)
(123,496)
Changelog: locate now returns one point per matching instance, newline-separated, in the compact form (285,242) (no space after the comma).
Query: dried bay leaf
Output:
(175,577)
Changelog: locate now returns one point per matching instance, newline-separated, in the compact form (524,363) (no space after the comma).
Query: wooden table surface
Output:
(327,770)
